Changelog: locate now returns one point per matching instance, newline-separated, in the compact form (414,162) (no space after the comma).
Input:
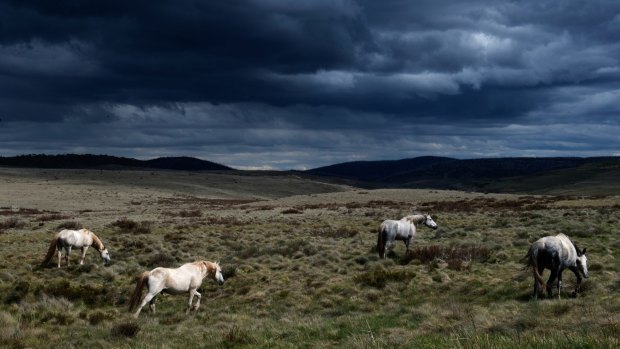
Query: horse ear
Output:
(583,251)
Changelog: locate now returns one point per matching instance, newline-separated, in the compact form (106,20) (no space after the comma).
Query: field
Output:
(300,266)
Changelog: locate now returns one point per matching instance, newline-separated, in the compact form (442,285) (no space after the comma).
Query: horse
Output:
(186,278)
(403,229)
(68,239)
(556,253)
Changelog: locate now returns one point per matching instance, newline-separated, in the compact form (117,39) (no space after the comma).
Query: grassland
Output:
(300,264)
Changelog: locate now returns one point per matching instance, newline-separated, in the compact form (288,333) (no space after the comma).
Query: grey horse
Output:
(403,229)
(556,253)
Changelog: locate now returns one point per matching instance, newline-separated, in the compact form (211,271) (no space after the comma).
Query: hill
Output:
(89,161)
(495,174)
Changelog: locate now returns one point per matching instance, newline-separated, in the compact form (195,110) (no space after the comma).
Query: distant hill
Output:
(495,174)
(74,161)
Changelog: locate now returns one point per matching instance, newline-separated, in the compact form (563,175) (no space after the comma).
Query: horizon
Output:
(284,84)
(307,169)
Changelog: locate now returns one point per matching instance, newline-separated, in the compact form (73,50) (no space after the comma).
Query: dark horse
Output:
(556,253)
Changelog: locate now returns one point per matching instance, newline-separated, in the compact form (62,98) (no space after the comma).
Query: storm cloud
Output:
(299,84)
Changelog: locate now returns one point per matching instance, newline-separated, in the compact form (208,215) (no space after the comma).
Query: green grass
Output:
(306,278)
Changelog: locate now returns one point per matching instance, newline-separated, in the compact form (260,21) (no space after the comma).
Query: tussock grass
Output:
(52,217)
(12,223)
(313,279)
(456,256)
(129,226)
(126,329)
(379,276)
(72,225)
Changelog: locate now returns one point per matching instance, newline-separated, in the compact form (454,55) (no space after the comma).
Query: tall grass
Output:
(311,278)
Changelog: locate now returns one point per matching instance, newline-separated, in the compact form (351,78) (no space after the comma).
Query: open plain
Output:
(300,265)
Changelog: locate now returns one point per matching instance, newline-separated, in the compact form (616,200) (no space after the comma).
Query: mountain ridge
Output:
(90,161)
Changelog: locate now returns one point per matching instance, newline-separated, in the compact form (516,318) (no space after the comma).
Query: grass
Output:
(305,275)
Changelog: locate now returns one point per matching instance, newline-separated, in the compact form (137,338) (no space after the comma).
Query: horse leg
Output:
(149,296)
(388,248)
(199,296)
(537,284)
(578,287)
(554,274)
(407,242)
(559,284)
(84,249)
(191,298)
(59,256)
(67,252)
(152,305)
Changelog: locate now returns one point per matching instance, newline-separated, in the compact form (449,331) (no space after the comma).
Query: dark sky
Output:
(298,84)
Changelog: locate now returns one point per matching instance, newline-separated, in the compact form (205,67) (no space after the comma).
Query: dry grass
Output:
(301,271)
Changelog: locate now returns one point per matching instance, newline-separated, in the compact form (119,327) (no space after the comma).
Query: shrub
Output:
(190,213)
(90,294)
(98,316)
(455,255)
(236,336)
(341,232)
(130,226)
(126,329)
(292,211)
(125,224)
(19,292)
(378,276)
(52,217)
(161,259)
(229,271)
(12,223)
(74,225)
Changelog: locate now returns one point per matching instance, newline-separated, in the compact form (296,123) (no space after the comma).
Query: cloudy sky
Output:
(298,84)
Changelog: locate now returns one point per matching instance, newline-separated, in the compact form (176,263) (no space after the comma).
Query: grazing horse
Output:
(556,253)
(184,279)
(404,229)
(68,239)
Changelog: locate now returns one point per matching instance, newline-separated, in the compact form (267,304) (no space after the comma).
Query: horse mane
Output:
(96,241)
(572,242)
(211,267)
(576,248)
(415,217)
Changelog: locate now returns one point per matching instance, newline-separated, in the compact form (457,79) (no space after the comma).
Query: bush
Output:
(19,292)
(190,213)
(127,329)
(455,255)
(12,223)
(292,211)
(73,225)
(130,226)
(236,336)
(378,277)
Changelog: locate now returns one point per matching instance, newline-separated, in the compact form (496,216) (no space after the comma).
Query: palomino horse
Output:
(186,278)
(404,229)
(82,238)
(556,253)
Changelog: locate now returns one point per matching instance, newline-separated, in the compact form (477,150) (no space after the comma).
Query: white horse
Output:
(403,229)
(556,253)
(68,239)
(186,278)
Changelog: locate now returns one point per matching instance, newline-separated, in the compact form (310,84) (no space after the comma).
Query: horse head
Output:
(215,271)
(582,262)
(105,255)
(429,222)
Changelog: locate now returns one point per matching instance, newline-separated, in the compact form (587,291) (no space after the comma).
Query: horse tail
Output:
(532,261)
(50,251)
(381,236)
(137,293)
